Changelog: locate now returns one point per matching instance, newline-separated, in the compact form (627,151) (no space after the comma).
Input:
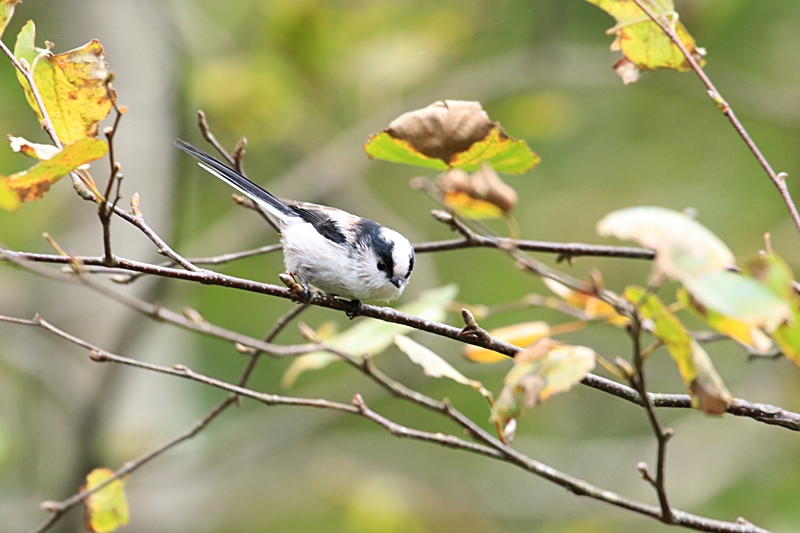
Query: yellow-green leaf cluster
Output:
(745,306)
(643,43)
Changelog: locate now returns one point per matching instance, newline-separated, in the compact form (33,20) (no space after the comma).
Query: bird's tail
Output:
(263,198)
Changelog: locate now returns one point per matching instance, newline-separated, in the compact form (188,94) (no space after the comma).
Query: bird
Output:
(339,253)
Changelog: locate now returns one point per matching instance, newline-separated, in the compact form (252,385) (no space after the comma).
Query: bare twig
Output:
(637,380)
(778,179)
(103,210)
(209,136)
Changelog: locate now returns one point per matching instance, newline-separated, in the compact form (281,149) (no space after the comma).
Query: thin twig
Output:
(209,136)
(638,381)
(778,179)
(562,250)
(103,210)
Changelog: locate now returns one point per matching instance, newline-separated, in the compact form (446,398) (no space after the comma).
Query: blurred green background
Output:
(307,82)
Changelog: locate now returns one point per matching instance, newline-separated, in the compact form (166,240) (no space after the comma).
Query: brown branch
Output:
(491,448)
(562,250)
(768,414)
(663,435)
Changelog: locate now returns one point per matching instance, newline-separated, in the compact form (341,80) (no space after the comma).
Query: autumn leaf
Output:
(590,305)
(643,44)
(451,134)
(72,85)
(543,370)
(480,195)
(107,509)
(31,184)
(787,336)
(522,335)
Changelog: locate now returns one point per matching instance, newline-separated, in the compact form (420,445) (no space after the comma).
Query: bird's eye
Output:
(381,265)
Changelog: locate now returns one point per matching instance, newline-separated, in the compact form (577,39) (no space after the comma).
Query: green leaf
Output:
(736,296)
(666,328)
(644,45)
(107,509)
(72,85)
(383,146)
(698,374)
(6,12)
(543,370)
(31,184)
(370,337)
(451,134)
(738,330)
(434,366)
(774,273)
(683,246)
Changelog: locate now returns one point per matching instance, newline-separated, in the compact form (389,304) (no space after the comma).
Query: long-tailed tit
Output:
(339,253)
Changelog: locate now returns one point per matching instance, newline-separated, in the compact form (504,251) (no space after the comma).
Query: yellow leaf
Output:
(481,195)
(31,184)
(708,392)
(522,335)
(107,509)
(787,336)
(543,370)
(8,198)
(684,247)
(593,307)
(72,85)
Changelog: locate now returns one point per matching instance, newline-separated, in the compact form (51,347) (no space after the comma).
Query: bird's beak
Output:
(397,282)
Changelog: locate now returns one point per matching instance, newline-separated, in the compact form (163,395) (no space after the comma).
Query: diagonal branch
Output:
(778,179)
